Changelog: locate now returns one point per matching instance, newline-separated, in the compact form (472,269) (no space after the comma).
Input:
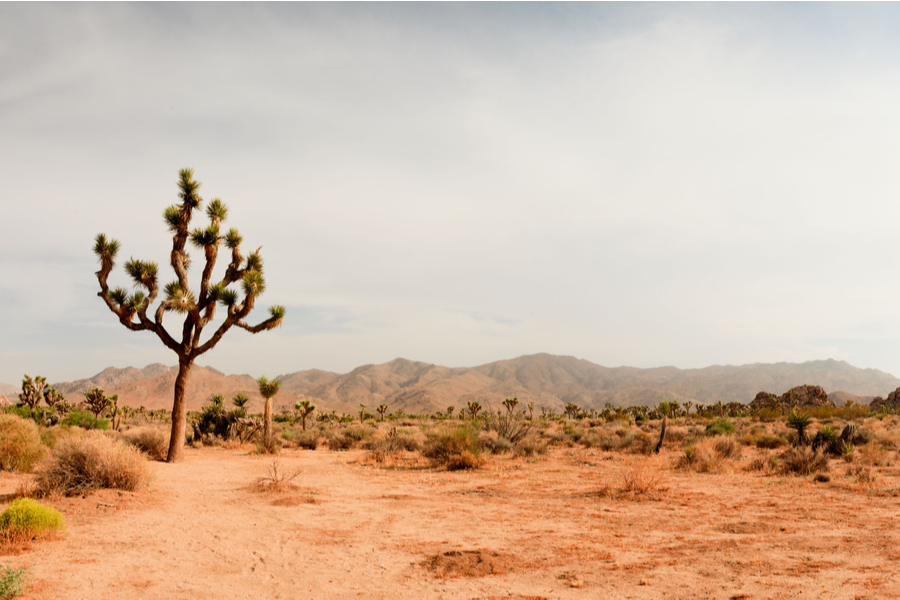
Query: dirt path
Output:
(521,529)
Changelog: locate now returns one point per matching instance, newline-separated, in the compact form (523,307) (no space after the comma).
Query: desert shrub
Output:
(453,447)
(85,420)
(763,463)
(288,435)
(727,448)
(48,436)
(31,518)
(493,443)
(149,440)
(380,447)
(530,447)
(770,441)
(80,464)
(862,474)
(641,443)
(802,460)
(270,445)
(676,435)
(874,455)
(357,434)
(700,457)
(20,444)
(307,440)
(12,581)
(277,479)
(339,441)
(719,427)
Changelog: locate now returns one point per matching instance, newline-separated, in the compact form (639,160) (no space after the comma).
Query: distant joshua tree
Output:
(268,389)
(198,309)
(304,408)
(382,408)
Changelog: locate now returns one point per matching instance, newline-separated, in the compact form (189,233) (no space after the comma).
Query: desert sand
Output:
(551,527)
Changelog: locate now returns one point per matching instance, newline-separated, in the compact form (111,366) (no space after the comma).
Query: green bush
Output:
(307,440)
(720,427)
(454,448)
(12,581)
(30,517)
(20,444)
(770,441)
(85,420)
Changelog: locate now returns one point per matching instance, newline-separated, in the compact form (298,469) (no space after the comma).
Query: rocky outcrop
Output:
(4,402)
(802,396)
(892,402)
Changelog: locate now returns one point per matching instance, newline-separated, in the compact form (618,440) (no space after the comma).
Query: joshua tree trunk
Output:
(179,412)
(267,432)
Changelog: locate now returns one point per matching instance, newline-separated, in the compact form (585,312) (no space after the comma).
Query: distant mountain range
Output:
(548,380)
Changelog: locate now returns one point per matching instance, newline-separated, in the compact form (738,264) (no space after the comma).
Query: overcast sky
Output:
(635,184)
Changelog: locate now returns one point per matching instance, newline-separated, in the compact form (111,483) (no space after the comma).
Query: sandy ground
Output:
(514,529)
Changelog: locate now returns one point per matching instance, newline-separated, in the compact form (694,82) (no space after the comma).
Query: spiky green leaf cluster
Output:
(172,217)
(254,263)
(267,388)
(228,297)
(104,247)
(233,239)
(118,295)
(177,298)
(202,238)
(277,311)
(142,272)
(253,284)
(217,211)
(188,187)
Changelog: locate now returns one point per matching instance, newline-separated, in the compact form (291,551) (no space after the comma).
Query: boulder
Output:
(892,402)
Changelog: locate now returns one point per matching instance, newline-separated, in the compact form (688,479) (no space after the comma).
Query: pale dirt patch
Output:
(350,530)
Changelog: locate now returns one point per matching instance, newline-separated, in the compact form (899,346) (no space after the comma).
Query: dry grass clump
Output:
(20,444)
(80,464)
(307,440)
(149,440)
(802,460)
(531,447)
(875,454)
(277,479)
(641,477)
(708,455)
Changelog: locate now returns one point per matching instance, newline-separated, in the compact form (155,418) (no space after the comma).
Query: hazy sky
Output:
(637,184)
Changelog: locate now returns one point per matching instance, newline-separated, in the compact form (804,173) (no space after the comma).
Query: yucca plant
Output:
(199,308)
(240,401)
(799,423)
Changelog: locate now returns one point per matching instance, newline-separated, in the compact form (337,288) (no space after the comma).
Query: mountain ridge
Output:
(545,379)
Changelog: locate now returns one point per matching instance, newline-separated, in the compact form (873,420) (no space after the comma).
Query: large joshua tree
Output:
(198,309)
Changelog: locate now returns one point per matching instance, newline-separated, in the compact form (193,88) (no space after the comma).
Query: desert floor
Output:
(550,528)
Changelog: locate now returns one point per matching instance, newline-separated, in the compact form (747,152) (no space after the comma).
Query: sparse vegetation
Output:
(455,448)
(30,518)
(12,581)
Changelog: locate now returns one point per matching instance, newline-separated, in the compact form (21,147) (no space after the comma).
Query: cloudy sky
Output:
(634,184)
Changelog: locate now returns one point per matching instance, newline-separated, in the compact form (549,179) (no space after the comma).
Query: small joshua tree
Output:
(304,408)
(510,404)
(382,408)
(268,389)
(572,410)
(199,308)
(450,410)
(32,391)
(96,401)
(362,413)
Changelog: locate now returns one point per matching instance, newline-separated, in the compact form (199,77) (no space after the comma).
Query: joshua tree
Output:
(382,408)
(268,389)
(32,391)
(572,410)
(450,410)
(474,408)
(510,404)
(304,408)
(97,401)
(362,413)
(198,309)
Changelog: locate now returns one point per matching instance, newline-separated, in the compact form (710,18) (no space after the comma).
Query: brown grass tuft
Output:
(277,480)
(93,461)
(150,440)
(20,444)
